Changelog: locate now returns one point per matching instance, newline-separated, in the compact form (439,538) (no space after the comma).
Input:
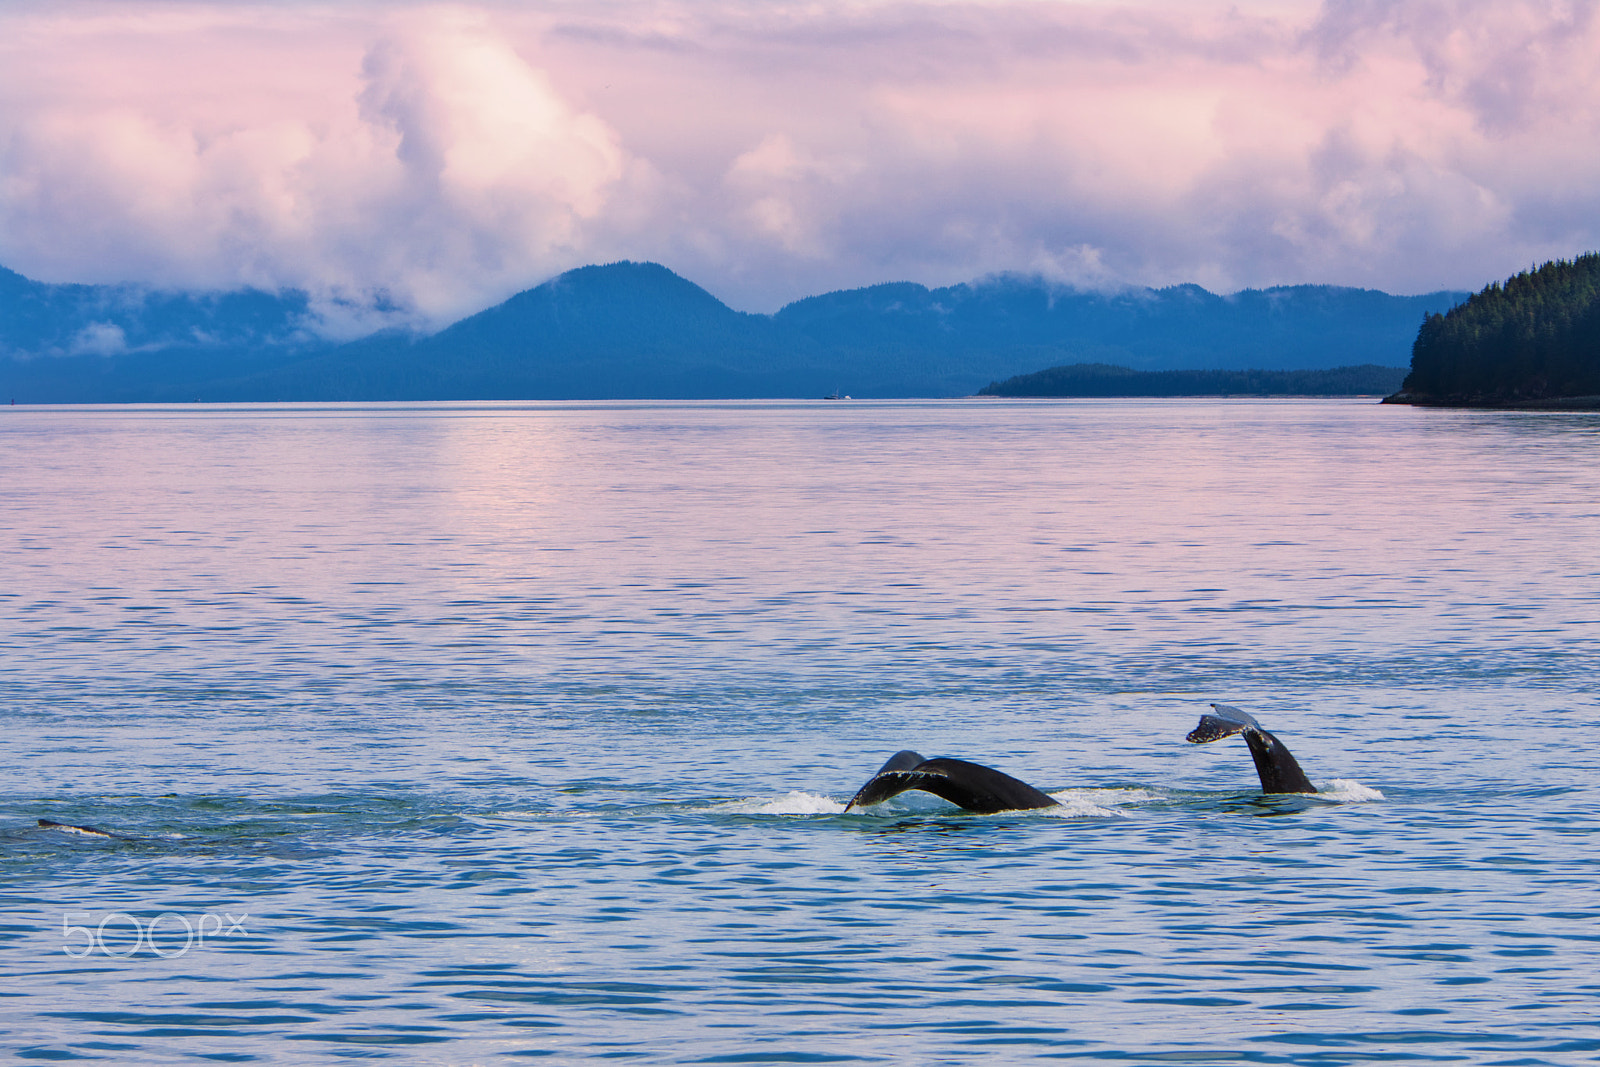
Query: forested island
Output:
(1532,342)
(1106,380)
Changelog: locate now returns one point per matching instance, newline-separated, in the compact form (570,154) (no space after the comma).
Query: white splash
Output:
(1348,791)
(511,816)
(1096,803)
(792,803)
(1071,804)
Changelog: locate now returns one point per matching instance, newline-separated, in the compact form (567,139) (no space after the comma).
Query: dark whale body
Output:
(67,827)
(968,785)
(985,790)
(1277,769)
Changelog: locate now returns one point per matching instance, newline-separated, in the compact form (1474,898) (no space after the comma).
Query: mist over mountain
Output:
(637,330)
(98,343)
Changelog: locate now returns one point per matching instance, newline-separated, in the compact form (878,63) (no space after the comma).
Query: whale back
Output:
(69,828)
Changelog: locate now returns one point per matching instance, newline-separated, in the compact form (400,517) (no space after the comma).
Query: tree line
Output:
(1106,380)
(1534,337)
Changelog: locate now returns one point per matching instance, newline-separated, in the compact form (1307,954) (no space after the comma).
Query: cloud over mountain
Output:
(422,162)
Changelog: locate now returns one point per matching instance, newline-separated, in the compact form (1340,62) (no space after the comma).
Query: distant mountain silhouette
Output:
(637,330)
(1011,325)
(622,331)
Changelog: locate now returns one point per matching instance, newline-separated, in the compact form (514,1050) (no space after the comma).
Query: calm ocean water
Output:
(447,734)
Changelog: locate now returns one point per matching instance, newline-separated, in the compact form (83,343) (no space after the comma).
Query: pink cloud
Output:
(415,155)
(448,156)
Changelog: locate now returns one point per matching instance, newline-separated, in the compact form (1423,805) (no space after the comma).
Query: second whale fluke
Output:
(972,786)
(1277,769)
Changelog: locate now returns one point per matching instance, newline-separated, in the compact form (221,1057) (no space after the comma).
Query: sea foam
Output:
(1347,791)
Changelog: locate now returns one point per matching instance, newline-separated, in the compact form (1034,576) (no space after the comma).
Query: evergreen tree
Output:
(1535,337)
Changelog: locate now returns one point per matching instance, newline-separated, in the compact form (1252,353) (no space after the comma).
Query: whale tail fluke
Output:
(1277,768)
(1214,728)
(888,781)
(967,785)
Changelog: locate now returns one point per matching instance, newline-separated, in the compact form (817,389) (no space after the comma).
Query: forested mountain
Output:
(67,320)
(1184,326)
(125,342)
(1534,339)
(621,331)
(1099,379)
(638,330)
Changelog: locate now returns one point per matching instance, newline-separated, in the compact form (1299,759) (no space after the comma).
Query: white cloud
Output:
(440,169)
(99,339)
(444,157)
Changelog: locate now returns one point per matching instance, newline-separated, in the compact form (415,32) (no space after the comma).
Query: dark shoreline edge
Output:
(1481,403)
(1092,380)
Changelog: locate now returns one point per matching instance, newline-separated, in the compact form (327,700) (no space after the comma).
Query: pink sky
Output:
(450,155)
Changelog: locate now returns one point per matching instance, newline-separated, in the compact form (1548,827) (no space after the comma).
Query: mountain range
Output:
(637,330)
